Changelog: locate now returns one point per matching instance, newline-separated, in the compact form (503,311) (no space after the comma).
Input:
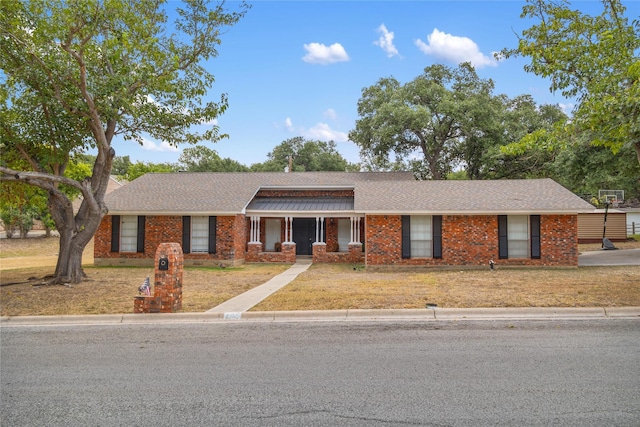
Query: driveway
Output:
(613,257)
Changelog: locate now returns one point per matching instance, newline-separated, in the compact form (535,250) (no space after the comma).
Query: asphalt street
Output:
(393,373)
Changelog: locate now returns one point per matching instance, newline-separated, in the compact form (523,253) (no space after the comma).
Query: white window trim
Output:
(199,241)
(428,240)
(129,233)
(510,241)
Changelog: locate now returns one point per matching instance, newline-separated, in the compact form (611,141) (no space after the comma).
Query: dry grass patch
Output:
(325,287)
(35,252)
(110,290)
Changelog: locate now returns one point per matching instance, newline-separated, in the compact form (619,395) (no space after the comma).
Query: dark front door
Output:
(304,234)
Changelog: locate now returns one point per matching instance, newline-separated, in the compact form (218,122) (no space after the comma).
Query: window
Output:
(200,234)
(421,236)
(518,236)
(128,233)
(421,240)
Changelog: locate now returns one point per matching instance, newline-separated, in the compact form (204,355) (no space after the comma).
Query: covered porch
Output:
(323,228)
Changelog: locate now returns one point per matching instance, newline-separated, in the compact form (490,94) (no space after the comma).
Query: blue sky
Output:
(297,68)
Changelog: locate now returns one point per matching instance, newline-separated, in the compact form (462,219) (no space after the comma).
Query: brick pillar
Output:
(355,253)
(167,292)
(253,252)
(319,252)
(289,249)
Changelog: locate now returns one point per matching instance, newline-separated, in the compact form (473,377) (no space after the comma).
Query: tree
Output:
(585,169)
(426,121)
(305,156)
(121,165)
(77,75)
(203,159)
(592,57)
(517,156)
(138,169)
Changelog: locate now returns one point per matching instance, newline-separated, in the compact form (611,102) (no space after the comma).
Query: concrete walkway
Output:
(612,257)
(243,302)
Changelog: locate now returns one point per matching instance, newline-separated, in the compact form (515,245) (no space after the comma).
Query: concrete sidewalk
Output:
(243,302)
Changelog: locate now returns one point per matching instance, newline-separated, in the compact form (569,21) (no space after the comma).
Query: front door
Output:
(304,234)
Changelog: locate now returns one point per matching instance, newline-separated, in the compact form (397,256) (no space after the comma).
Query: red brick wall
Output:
(466,240)
(471,240)
(305,193)
(230,244)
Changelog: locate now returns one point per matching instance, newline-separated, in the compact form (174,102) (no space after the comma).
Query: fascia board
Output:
(447,212)
(301,214)
(172,213)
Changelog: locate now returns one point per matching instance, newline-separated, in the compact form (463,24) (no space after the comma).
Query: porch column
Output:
(255,229)
(288,228)
(355,229)
(320,229)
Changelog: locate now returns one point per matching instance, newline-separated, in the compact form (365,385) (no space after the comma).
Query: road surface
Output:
(393,373)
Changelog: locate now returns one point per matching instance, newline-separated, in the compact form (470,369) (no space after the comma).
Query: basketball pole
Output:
(604,229)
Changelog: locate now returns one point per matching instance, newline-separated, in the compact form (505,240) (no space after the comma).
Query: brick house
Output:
(375,218)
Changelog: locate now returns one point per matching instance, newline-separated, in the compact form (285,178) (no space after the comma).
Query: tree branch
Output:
(39,179)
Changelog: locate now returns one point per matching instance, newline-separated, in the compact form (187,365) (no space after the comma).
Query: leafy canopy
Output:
(593,58)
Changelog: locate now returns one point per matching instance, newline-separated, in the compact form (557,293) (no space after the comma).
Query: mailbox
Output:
(163,264)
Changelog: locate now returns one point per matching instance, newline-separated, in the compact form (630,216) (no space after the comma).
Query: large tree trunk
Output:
(74,238)
(77,229)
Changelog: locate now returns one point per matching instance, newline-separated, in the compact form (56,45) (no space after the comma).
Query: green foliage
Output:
(120,165)
(459,175)
(305,156)
(203,159)
(585,169)
(441,118)
(15,220)
(77,74)
(592,57)
(138,169)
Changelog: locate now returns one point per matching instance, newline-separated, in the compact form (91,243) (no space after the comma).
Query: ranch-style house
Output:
(371,218)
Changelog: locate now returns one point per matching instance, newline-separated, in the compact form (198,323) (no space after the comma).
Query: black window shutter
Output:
(437,236)
(186,234)
(115,233)
(141,221)
(212,234)
(534,222)
(406,236)
(503,249)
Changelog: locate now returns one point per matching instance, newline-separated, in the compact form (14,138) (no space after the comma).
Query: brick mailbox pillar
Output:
(167,292)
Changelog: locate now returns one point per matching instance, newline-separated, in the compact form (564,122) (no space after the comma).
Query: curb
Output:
(437,314)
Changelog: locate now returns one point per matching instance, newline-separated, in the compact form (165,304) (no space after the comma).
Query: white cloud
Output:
(213,122)
(323,132)
(386,41)
(289,124)
(566,108)
(317,53)
(149,145)
(455,49)
(330,114)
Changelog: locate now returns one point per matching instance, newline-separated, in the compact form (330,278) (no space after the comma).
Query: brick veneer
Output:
(354,255)
(304,193)
(466,240)
(167,290)
(471,240)
(230,246)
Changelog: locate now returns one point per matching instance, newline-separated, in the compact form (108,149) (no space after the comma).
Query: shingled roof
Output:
(202,193)
(219,193)
(468,197)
